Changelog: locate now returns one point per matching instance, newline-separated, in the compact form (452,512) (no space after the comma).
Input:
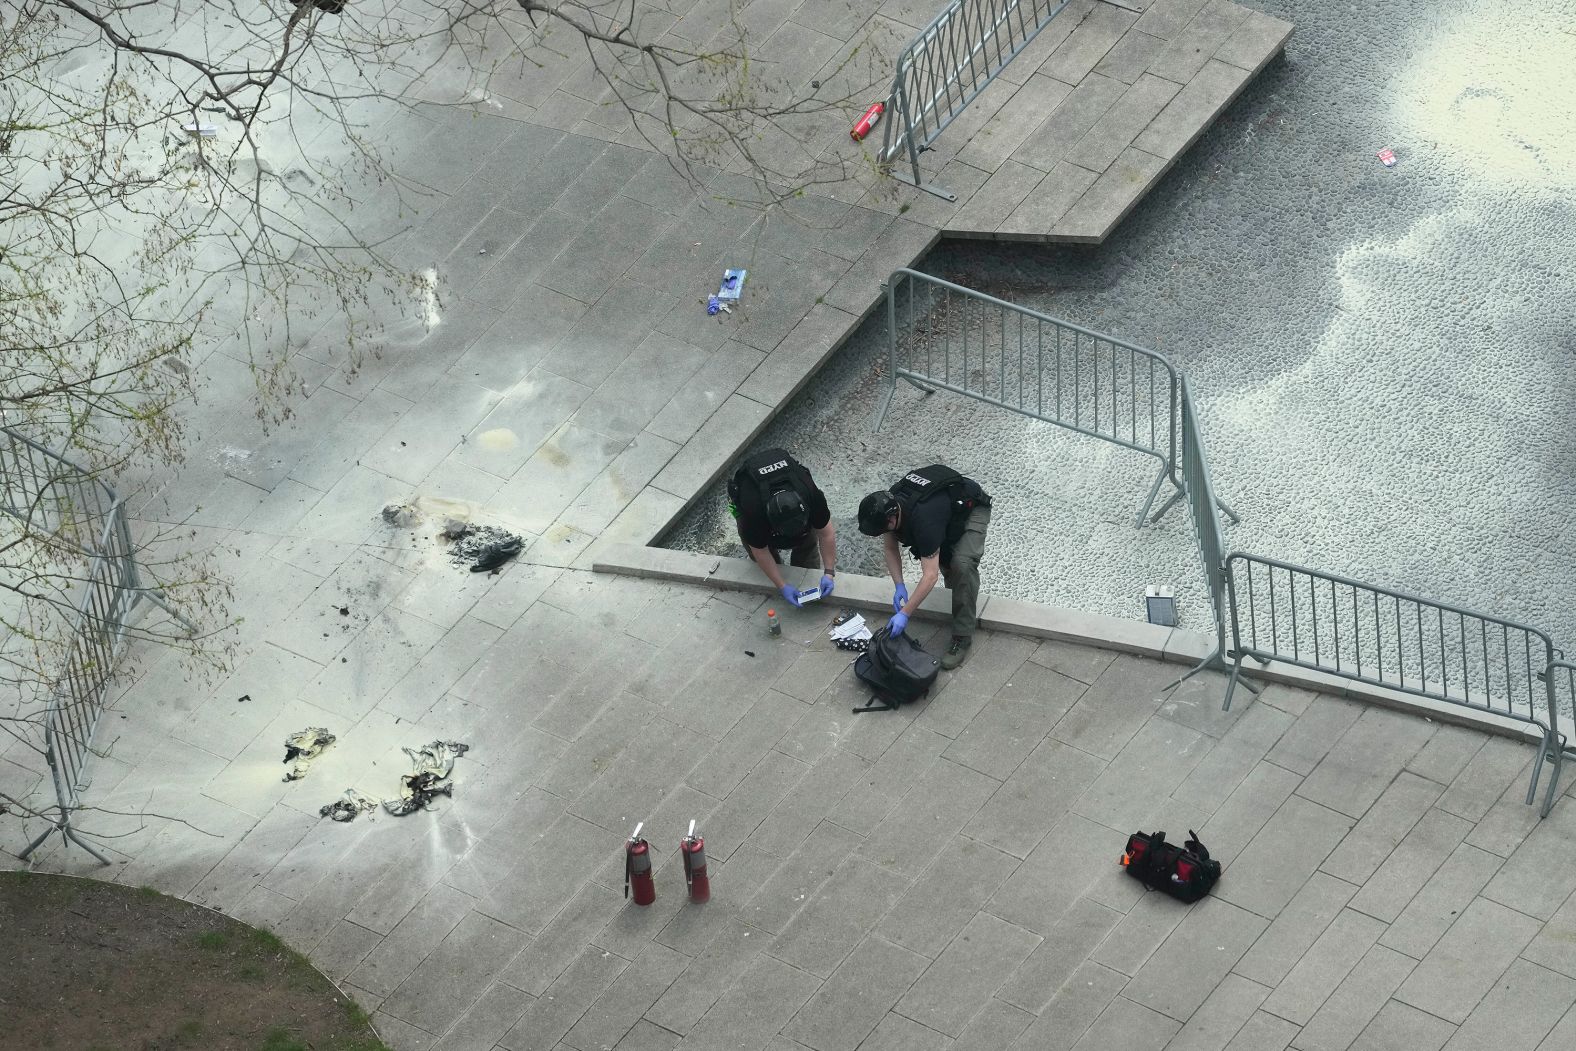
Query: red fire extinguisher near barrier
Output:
(871,118)
(694,850)
(637,868)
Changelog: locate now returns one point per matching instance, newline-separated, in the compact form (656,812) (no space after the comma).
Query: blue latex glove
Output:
(899,596)
(827,584)
(898,622)
(791,596)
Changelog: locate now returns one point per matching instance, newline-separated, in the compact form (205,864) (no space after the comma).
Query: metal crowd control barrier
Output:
(948,64)
(956,339)
(944,336)
(84,518)
(1327,623)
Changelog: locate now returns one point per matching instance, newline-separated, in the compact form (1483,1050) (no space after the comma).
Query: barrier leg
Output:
(67,833)
(1149,501)
(1228,511)
(1548,750)
(1175,499)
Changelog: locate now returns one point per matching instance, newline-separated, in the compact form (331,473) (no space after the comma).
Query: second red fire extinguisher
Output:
(694,850)
(637,868)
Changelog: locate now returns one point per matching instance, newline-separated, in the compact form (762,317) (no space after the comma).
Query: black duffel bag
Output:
(897,668)
(1186,873)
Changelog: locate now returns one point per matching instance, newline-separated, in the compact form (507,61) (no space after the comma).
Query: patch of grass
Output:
(250,972)
(280,1039)
(189,1031)
(904,208)
(213,940)
(149,892)
(267,941)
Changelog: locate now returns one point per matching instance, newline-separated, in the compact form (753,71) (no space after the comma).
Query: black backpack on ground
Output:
(1186,872)
(897,668)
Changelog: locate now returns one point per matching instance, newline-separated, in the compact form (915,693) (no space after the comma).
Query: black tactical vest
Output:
(927,483)
(767,472)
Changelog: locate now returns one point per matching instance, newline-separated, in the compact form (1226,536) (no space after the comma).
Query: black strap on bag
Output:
(1185,872)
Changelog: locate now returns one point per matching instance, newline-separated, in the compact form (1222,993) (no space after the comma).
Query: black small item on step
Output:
(897,668)
(1186,872)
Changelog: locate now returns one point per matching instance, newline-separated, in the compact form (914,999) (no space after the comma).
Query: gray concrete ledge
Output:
(1032,619)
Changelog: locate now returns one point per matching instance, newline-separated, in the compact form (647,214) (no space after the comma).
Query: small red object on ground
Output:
(1387,157)
(637,869)
(871,118)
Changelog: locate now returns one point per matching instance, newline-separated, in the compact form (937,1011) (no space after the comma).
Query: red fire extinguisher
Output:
(637,868)
(871,118)
(694,851)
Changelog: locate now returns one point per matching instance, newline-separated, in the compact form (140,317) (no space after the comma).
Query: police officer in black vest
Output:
(941,517)
(778,506)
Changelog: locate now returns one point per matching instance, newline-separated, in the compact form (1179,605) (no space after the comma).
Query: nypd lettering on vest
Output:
(769,468)
(918,479)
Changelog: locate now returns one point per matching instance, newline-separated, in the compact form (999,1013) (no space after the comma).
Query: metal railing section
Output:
(948,64)
(63,504)
(944,336)
(1382,637)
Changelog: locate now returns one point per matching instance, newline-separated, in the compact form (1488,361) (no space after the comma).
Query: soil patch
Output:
(93,965)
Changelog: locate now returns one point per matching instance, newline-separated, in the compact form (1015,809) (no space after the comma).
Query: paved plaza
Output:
(943,876)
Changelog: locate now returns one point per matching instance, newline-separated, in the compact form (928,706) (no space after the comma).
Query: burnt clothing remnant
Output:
(434,765)
(302,747)
(349,806)
(482,548)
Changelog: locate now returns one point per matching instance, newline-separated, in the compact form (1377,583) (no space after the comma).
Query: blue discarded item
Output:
(732,285)
(713,305)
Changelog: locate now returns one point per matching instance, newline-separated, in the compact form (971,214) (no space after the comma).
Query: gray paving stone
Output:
(856,996)
(1116,129)
(562,940)
(1015,121)
(445,984)
(1384,825)
(1088,43)
(645,1036)
(1411,865)
(1231,761)
(1159,756)
(792,362)
(708,452)
(1519,1011)
(401,1036)
(1507,824)
(1257,38)
(1356,1001)
(1074,1009)
(1143,930)
(1069,942)
(773,908)
(1294,843)
(1484,779)
(764,999)
(1523,883)
(555,1012)
(1400,1027)
(802,808)
(940,803)
(1191,48)
(1008,187)
(897,1033)
(1013,722)
(411,940)
(1561,1035)
(1113,708)
(1126,1024)
(1444,897)
(958,882)
(1030,802)
(481,1027)
(730,954)
(1192,109)
(1177,979)
(1069,122)
(1130,57)
(1295,929)
(996,1026)
(1264,1032)
(963,978)
(1468,960)
(623,1003)
(1447,753)
(899,766)
(838,915)
(1365,760)
(1221,1016)
(1167,18)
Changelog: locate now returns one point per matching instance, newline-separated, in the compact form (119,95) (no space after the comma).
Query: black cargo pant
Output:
(960,571)
(806,554)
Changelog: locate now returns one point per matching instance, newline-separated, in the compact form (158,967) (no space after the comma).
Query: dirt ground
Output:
(93,966)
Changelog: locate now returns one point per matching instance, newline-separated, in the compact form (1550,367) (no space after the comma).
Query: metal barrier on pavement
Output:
(54,498)
(1294,615)
(944,336)
(947,65)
